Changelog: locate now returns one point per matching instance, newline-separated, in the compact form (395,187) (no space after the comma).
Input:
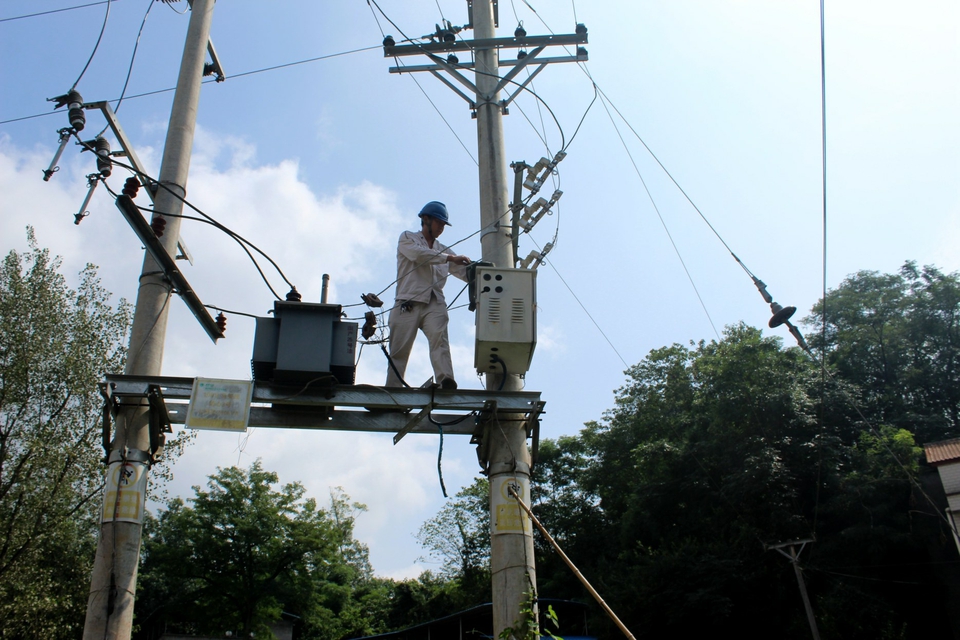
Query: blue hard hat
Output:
(436,210)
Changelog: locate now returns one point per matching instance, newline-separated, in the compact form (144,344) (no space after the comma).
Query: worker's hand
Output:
(461,260)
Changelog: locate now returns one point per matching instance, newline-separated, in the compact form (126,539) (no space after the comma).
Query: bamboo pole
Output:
(573,567)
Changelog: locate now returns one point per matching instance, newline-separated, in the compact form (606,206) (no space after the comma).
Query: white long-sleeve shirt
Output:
(422,270)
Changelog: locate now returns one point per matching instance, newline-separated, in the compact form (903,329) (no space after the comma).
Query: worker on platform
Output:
(423,265)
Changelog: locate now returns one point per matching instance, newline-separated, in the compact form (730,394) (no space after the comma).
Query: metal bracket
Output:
(110,409)
(413,422)
(484,417)
(159,421)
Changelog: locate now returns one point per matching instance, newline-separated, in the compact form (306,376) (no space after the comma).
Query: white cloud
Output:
(349,233)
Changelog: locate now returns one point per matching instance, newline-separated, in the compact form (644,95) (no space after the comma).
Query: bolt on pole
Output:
(512,567)
(113,583)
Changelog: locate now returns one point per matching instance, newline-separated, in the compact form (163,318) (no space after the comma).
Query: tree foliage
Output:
(56,344)
(243,552)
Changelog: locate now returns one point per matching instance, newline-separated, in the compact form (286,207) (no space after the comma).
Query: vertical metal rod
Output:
(114,579)
(324,287)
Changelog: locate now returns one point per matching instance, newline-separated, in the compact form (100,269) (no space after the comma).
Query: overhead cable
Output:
(235,75)
(44,13)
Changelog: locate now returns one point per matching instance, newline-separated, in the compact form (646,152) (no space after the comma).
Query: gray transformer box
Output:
(304,342)
(506,319)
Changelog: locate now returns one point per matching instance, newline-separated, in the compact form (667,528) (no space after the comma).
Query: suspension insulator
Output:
(222,322)
(158,224)
(102,145)
(389,42)
(520,32)
(77,117)
(130,188)
(452,59)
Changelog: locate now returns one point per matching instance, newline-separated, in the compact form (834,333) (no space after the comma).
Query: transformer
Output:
(506,319)
(304,342)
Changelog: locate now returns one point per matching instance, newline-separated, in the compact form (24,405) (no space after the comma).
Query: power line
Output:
(44,13)
(236,75)
(662,221)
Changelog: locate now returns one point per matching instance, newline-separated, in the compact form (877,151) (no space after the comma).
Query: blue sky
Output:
(323,164)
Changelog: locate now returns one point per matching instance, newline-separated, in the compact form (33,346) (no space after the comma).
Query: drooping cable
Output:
(103,28)
(207,219)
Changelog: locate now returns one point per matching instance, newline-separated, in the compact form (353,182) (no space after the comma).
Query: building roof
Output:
(943,451)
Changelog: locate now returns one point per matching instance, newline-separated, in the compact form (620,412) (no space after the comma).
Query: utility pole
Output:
(512,566)
(504,452)
(113,584)
(794,558)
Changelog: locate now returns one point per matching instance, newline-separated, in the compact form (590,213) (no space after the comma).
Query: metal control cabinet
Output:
(304,341)
(506,302)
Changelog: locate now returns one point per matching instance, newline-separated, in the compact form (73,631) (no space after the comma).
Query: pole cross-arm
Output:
(520,66)
(455,89)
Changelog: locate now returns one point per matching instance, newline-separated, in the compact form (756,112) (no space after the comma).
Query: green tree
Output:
(244,552)
(56,344)
(896,337)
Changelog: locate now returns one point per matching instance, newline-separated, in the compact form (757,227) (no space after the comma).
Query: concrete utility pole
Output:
(512,565)
(504,452)
(794,558)
(114,580)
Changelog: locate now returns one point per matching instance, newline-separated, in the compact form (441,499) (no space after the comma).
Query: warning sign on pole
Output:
(507,516)
(125,491)
(221,405)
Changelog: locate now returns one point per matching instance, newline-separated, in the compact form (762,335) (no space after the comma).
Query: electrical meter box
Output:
(506,302)
(302,342)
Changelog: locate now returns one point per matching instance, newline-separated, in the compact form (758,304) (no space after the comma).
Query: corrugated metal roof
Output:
(943,451)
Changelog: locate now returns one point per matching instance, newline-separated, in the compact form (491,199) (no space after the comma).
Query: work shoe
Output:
(448,383)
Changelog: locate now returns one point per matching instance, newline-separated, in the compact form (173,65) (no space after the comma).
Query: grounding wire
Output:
(662,221)
(133,57)
(103,28)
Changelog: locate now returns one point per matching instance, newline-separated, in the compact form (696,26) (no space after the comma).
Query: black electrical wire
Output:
(95,47)
(394,366)
(212,223)
(133,57)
